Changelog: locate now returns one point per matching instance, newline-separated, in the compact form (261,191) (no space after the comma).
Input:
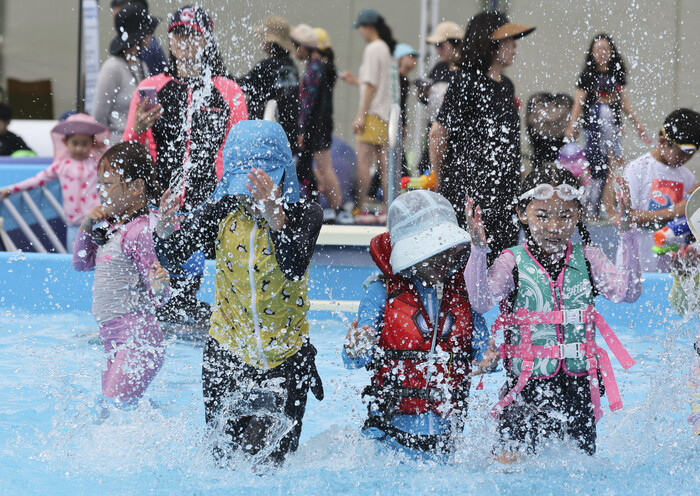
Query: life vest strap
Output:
(597,357)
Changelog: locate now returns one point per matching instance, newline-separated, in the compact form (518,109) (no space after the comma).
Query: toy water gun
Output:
(422,182)
(670,238)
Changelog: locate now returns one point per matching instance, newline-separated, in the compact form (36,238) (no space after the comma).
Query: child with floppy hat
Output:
(416,331)
(78,144)
(264,237)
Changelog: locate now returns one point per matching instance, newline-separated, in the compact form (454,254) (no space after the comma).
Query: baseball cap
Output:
(403,49)
(682,128)
(422,224)
(193,17)
(366,17)
(324,39)
(444,31)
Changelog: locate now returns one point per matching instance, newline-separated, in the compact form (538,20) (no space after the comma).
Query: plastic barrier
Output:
(40,284)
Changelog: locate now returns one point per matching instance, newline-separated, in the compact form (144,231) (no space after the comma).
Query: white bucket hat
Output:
(692,213)
(421,224)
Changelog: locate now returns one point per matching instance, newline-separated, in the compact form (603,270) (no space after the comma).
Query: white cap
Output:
(304,34)
(692,213)
(421,224)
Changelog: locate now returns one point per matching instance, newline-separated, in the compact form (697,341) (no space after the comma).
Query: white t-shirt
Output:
(655,186)
(379,69)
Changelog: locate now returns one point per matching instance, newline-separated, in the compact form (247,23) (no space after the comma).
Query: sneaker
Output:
(344,218)
(371,218)
(329,216)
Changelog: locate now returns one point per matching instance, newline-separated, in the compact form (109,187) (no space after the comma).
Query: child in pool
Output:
(264,237)
(78,144)
(416,314)
(546,288)
(129,282)
(685,297)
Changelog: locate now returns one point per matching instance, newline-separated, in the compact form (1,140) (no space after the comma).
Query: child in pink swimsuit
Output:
(129,282)
(78,142)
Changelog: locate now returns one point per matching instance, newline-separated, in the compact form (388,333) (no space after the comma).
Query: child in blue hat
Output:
(258,362)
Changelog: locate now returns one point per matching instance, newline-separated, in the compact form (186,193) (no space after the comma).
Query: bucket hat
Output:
(303,34)
(275,29)
(133,24)
(422,224)
(260,144)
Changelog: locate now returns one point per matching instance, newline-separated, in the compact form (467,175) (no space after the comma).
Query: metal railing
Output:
(393,183)
(41,220)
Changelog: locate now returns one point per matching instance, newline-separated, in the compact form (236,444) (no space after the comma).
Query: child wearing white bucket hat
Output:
(415,329)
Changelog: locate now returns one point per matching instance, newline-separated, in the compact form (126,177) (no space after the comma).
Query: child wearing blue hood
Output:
(258,362)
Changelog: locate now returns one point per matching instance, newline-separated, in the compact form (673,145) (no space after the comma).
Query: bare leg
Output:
(365,157)
(328,183)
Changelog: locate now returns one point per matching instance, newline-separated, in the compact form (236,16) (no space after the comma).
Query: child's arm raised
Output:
(44,177)
(622,283)
(485,287)
(627,107)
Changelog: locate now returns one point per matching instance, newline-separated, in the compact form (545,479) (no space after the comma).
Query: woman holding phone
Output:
(123,70)
(185,114)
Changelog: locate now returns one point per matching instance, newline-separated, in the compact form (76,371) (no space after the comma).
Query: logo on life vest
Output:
(426,331)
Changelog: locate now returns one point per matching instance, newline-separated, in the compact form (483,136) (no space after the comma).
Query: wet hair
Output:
(384,32)
(212,61)
(133,161)
(555,175)
(683,126)
(5,112)
(616,66)
(478,49)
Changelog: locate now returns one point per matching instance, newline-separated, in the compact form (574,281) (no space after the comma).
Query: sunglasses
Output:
(688,148)
(546,191)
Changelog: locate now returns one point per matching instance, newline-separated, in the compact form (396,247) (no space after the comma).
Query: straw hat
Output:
(275,29)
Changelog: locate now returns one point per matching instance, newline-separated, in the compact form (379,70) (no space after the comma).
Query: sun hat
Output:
(422,224)
(511,30)
(133,24)
(366,17)
(260,144)
(304,35)
(275,29)
(192,17)
(77,124)
(444,31)
(403,49)
(324,39)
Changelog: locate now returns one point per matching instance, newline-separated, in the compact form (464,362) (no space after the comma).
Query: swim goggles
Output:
(688,148)
(546,191)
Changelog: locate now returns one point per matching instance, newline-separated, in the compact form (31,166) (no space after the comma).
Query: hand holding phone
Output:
(149,94)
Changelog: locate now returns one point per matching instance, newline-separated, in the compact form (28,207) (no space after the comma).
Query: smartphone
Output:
(150,94)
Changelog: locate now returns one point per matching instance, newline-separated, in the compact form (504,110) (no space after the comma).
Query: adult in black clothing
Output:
(475,140)
(9,141)
(274,78)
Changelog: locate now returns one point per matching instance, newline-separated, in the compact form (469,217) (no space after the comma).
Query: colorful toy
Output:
(422,182)
(670,238)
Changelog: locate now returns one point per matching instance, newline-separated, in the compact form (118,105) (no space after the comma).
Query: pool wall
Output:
(41,284)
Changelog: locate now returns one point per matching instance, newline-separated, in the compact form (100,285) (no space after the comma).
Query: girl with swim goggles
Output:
(548,274)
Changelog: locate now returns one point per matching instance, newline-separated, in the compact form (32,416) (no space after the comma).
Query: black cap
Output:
(682,127)
(122,3)
(133,24)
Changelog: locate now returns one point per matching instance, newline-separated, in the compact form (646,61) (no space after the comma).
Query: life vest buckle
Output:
(571,350)
(572,316)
